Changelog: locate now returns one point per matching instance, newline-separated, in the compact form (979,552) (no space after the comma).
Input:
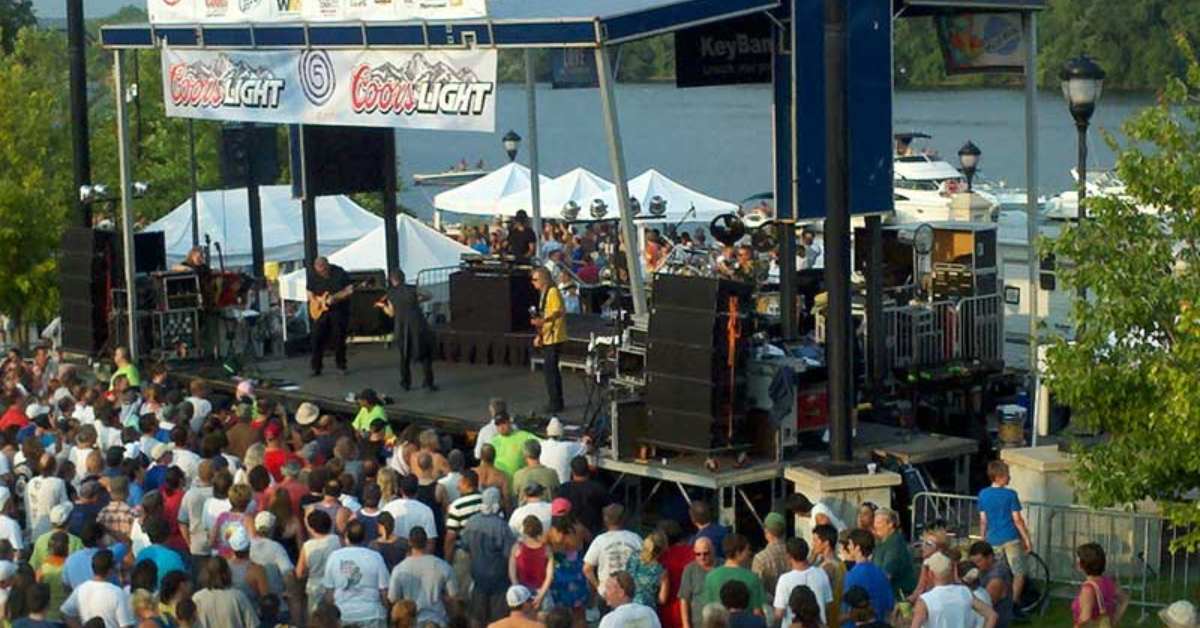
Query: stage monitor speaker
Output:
(697,293)
(342,159)
(85,284)
(491,302)
(240,144)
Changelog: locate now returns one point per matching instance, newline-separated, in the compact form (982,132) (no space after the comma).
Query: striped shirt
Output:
(462,509)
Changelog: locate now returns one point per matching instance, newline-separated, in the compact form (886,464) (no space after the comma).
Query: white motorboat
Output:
(928,189)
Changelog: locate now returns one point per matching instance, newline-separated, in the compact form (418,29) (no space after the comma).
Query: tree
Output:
(1131,370)
(35,175)
(14,15)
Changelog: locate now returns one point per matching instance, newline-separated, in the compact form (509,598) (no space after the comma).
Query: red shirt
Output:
(171,504)
(295,491)
(674,560)
(274,459)
(14,415)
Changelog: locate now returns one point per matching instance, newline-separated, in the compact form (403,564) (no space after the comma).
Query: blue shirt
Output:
(154,478)
(481,247)
(716,533)
(78,568)
(871,578)
(163,557)
(999,504)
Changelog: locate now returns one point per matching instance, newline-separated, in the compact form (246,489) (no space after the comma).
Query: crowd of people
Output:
(135,501)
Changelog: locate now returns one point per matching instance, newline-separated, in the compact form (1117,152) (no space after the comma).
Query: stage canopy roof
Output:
(680,199)
(579,185)
(482,196)
(224,216)
(421,248)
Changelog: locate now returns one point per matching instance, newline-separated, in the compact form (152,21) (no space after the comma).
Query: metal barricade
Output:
(1136,544)
(436,283)
(933,333)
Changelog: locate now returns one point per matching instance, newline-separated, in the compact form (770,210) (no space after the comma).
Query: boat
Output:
(449,178)
(929,189)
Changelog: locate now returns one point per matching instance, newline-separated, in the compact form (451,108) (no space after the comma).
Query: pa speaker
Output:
(341,159)
(243,146)
(84,284)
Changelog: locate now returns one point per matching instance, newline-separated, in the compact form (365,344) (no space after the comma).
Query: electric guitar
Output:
(319,304)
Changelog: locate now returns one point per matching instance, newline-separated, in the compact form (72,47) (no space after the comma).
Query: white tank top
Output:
(949,607)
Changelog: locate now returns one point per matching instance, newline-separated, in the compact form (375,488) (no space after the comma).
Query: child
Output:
(1002,526)
(530,563)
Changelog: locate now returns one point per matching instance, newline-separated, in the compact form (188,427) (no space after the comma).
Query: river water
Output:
(718,140)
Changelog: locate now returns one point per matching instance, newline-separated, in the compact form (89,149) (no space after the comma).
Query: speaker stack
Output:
(699,342)
(85,281)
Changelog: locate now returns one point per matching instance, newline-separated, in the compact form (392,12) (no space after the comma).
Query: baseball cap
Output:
(245,388)
(939,564)
(516,597)
(264,520)
(238,540)
(34,409)
(60,513)
(560,506)
(554,427)
(160,450)
(775,523)
(272,431)
(490,501)
(307,413)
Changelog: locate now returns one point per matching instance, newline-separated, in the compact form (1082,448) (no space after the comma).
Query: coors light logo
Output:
(224,83)
(418,87)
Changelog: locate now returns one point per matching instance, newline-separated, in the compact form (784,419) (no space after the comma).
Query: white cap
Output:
(517,596)
(60,513)
(8,569)
(264,520)
(307,414)
(160,450)
(1181,614)
(554,427)
(34,409)
(939,564)
(238,540)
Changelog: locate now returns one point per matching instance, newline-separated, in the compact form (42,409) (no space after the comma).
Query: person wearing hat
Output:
(59,515)
(995,577)
(411,332)
(534,471)
(521,241)
(772,561)
(42,494)
(162,456)
(801,574)
(557,453)
(247,576)
(358,579)
(276,453)
(949,603)
(535,504)
(266,551)
(488,541)
(1181,614)
(521,613)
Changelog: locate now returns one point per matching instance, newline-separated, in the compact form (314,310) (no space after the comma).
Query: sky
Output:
(91,8)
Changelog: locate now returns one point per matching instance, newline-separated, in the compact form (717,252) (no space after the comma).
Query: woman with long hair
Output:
(649,576)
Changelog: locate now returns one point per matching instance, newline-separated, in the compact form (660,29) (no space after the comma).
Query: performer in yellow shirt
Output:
(550,334)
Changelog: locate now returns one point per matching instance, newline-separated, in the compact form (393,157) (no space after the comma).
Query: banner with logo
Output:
(450,90)
(982,42)
(729,52)
(224,11)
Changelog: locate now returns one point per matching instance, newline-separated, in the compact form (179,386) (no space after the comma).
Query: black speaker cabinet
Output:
(85,283)
(491,302)
(241,145)
(149,252)
(365,318)
(342,159)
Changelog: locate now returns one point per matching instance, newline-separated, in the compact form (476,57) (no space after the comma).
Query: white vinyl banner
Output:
(451,90)
(267,11)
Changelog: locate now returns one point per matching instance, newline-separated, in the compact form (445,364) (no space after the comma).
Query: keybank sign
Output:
(729,52)
(732,49)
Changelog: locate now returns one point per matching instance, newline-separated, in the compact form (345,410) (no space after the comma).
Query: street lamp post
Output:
(968,159)
(512,143)
(1082,82)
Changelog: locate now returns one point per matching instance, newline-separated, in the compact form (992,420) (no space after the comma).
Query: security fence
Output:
(436,282)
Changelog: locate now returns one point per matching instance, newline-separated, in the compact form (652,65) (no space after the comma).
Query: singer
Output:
(550,333)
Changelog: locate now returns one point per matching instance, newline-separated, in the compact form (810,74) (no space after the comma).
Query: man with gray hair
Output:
(949,603)
(489,541)
(534,471)
(497,406)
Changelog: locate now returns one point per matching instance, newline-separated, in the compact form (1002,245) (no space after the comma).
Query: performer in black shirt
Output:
(411,332)
(521,240)
(329,310)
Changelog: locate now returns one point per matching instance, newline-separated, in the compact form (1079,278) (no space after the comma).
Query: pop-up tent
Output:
(224,216)
(483,195)
(680,200)
(421,248)
(578,185)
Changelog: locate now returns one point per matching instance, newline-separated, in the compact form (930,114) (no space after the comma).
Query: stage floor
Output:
(459,406)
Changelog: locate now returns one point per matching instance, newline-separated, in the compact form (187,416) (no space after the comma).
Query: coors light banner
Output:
(221,11)
(452,90)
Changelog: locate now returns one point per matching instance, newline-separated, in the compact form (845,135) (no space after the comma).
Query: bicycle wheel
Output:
(1037,585)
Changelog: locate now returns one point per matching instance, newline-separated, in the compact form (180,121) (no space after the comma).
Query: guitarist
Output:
(329,285)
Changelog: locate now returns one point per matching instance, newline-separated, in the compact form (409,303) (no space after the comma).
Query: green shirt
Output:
(545,476)
(892,556)
(41,548)
(131,375)
(367,416)
(510,451)
(720,575)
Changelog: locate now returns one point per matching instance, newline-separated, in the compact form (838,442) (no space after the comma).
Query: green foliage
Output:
(14,15)
(1131,370)
(35,174)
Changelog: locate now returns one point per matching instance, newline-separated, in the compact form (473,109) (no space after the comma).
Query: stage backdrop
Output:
(451,90)
(222,11)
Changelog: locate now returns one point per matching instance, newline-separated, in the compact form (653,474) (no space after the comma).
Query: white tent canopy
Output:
(680,200)
(482,196)
(224,216)
(421,248)
(578,185)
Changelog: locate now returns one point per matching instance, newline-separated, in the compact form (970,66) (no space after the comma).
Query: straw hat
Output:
(1181,614)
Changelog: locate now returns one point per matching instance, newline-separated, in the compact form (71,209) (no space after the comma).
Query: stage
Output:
(459,407)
